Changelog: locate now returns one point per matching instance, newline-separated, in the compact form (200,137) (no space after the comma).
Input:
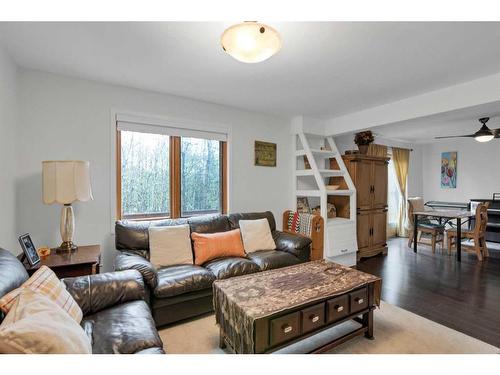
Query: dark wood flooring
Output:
(464,296)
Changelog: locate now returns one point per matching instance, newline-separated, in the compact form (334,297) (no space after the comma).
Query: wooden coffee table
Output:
(264,312)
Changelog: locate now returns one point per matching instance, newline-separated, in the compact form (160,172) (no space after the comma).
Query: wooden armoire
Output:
(369,174)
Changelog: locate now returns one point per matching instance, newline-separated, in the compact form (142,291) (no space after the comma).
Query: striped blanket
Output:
(300,223)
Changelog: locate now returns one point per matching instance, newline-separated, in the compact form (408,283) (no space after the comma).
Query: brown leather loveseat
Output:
(183,291)
(109,302)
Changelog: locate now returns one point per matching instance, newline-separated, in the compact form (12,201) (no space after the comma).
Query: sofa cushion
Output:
(45,281)
(127,328)
(176,280)
(234,219)
(134,235)
(209,224)
(256,235)
(170,245)
(13,272)
(224,268)
(36,325)
(208,246)
(270,259)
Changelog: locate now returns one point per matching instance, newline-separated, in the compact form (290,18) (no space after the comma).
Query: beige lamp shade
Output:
(251,42)
(66,181)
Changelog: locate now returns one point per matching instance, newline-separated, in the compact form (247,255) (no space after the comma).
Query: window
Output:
(200,176)
(166,176)
(145,177)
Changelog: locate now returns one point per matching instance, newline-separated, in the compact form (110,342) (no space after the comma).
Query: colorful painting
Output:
(449,170)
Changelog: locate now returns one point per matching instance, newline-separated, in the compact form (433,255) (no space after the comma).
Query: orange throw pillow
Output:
(208,246)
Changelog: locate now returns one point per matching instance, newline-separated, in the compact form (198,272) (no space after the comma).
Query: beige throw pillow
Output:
(170,245)
(256,235)
(36,325)
(45,281)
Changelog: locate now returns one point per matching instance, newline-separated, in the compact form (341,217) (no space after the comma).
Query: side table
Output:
(85,260)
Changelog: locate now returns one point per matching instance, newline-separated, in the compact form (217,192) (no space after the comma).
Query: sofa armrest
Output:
(295,244)
(97,292)
(126,261)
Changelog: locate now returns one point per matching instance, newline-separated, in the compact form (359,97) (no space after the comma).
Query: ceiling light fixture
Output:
(484,134)
(250,42)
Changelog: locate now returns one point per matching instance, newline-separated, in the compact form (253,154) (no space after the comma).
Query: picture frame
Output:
(265,154)
(29,249)
(449,163)
(303,205)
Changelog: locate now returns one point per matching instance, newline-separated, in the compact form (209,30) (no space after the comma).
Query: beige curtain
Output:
(401,159)
(377,150)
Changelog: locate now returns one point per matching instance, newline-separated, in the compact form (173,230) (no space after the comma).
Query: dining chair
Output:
(477,234)
(425,225)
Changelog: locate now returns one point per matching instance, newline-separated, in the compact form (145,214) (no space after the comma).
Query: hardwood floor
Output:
(464,296)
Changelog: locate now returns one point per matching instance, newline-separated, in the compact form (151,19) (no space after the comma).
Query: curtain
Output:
(401,159)
(377,150)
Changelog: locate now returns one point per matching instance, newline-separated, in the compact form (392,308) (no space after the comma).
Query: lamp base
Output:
(66,247)
(67,230)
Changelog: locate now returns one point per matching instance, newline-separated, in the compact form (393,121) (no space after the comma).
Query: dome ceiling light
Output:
(250,42)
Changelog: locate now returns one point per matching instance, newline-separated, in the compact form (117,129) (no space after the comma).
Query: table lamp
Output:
(65,182)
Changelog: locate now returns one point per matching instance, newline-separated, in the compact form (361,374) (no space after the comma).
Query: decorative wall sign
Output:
(265,154)
(449,170)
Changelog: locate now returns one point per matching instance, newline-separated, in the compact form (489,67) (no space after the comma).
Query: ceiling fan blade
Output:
(457,136)
(496,132)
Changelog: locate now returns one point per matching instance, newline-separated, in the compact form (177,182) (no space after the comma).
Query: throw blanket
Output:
(300,223)
(239,301)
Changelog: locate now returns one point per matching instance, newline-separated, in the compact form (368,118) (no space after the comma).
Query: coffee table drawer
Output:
(284,328)
(338,308)
(313,317)
(358,300)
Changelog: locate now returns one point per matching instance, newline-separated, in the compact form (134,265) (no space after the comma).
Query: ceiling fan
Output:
(484,134)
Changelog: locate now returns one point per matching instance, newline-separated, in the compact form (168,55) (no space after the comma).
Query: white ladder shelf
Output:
(340,243)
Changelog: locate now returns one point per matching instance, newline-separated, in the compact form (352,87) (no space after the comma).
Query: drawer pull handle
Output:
(343,250)
(339,308)
(287,329)
(314,318)
(360,301)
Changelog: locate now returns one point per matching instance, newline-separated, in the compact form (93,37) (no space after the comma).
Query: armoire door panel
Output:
(364,170)
(379,225)
(364,230)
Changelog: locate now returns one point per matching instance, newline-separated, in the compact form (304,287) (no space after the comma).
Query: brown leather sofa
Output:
(183,291)
(109,301)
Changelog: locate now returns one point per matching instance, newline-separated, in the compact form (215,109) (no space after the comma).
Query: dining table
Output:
(448,215)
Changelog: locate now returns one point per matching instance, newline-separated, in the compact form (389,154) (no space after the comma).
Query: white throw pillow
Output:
(170,245)
(256,235)
(36,325)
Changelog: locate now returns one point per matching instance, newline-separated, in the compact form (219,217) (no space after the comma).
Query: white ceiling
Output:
(424,129)
(324,69)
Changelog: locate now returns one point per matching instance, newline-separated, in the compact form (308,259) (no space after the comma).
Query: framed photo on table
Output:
(29,249)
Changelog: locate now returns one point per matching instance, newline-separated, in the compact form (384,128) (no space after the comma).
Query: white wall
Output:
(66,118)
(478,171)
(415,186)
(8,112)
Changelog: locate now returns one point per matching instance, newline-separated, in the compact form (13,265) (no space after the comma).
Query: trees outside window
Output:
(161,176)
(200,176)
